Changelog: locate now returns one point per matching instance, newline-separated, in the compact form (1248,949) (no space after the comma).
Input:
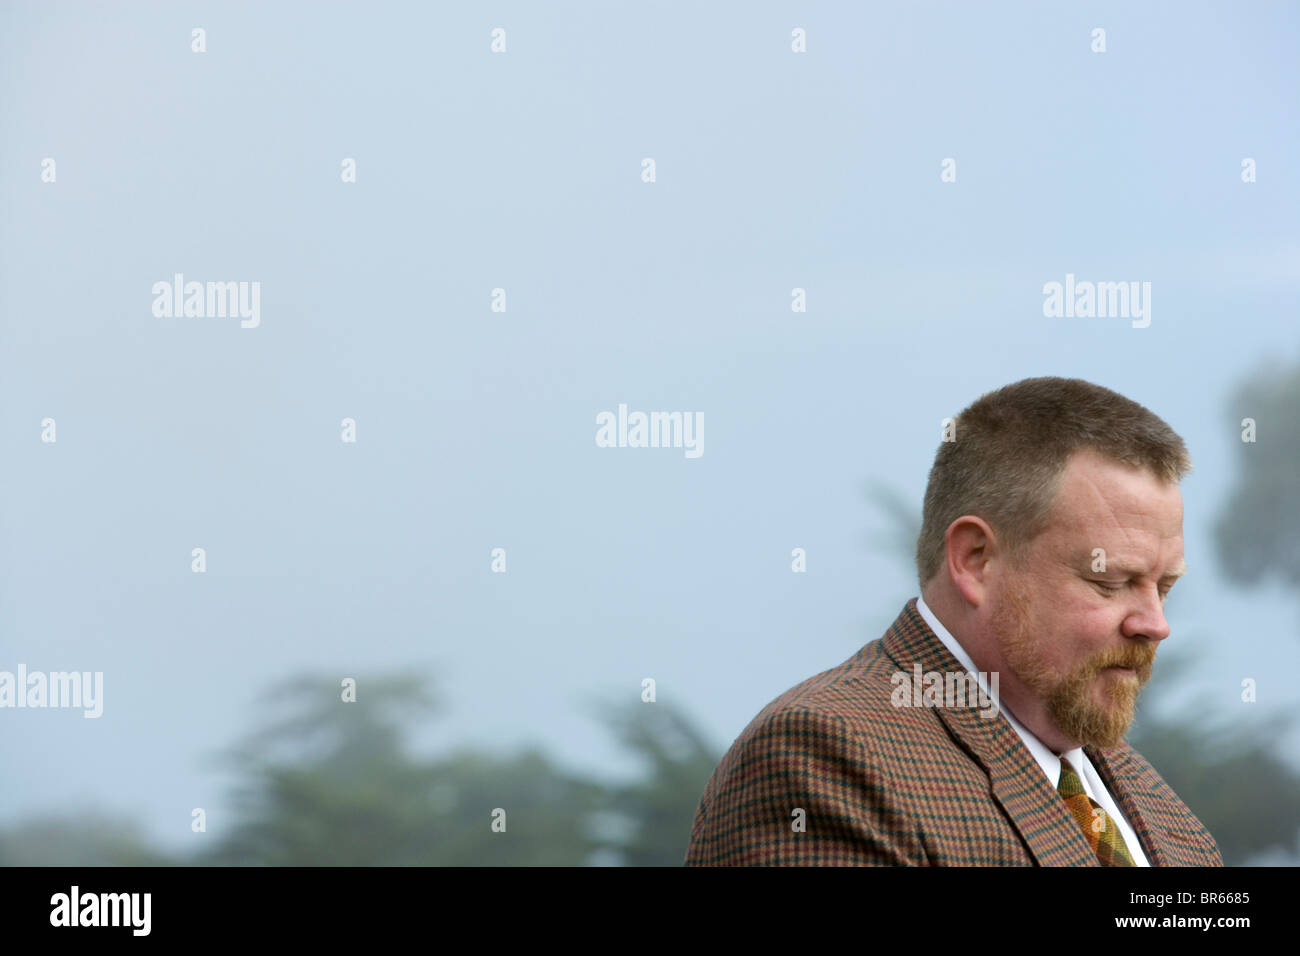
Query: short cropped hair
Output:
(1009,450)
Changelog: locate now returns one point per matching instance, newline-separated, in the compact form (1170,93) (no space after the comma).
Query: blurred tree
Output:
(1230,778)
(548,812)
(333,784)
(90,839)
(902,519)
(330,784)
(1258,530)
(648,822)
(1257,536)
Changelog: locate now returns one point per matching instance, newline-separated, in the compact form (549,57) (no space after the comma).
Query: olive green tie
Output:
(1103,836)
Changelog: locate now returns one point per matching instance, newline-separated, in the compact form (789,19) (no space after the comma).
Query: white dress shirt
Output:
(1049,761)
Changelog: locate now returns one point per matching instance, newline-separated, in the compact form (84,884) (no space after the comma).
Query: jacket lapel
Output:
(1017,781)
(1115,768)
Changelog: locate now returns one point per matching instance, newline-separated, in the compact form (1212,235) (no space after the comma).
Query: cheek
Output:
(1076,630)
(1094,633)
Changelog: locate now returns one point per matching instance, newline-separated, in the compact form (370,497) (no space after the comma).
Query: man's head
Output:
(1051,533)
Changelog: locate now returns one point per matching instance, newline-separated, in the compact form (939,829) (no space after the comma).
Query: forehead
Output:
(1099,498)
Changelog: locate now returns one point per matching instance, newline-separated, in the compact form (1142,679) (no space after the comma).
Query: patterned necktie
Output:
(1103,836)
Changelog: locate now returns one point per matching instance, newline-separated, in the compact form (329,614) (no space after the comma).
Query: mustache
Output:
(1139,659)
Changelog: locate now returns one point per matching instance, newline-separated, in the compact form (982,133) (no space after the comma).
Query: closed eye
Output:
(1113,588)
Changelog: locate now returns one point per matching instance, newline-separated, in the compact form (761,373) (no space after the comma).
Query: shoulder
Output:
(840,724)
(832,773)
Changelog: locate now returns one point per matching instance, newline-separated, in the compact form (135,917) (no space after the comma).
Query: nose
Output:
(1147,618)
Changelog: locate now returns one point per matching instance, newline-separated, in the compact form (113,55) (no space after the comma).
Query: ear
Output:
(970,546)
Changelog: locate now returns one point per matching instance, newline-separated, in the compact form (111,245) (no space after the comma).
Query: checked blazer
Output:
(912,786)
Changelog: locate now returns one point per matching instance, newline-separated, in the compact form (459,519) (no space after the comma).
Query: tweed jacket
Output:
(881,785)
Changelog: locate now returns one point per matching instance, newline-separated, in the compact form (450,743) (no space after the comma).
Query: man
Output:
(1051,536)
